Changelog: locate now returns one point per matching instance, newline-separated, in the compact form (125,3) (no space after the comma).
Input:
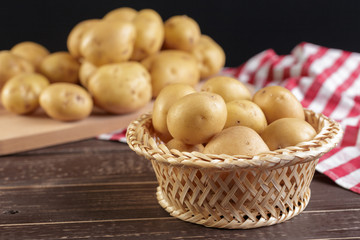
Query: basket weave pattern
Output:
(234,191)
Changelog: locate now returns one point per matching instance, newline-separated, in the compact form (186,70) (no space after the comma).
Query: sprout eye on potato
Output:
(278,102)
(245,113)
(66,101)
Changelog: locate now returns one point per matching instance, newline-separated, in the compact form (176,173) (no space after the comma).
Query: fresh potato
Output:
(149,34)
(236,140)
(182,33)
(286,132)
(20,94)
(245,113)
(33,52)
(66,101)
(121,14)
(11,65)
(227,87)
(168,95)
(182,147)
(171,66)
(196,117)
(278,102)
(86,70)
(120,87)
(60,67)
(76,34)
(210,56)
(108,42)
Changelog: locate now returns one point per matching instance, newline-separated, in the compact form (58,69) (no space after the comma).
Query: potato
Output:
(278,102)
(121,14)
(196,117)
(236,140)
(66,102)
(171,66)
(168,95)
(33,52)
(76,34)
(286,132)
(149,34)
(245,113)
(108,42)
(210,56)
(60,67)
(181,32)
(120,87)
(227,87)
(182,147)
(11,65)
(86,70)
(20,94)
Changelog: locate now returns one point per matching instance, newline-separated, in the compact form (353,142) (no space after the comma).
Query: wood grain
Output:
(93,189)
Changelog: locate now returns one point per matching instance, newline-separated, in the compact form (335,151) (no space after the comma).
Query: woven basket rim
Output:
(141,140)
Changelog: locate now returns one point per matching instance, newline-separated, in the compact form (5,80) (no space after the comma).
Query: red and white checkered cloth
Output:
(324,80)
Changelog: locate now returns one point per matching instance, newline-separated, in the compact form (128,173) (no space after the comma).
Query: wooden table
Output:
(95,189)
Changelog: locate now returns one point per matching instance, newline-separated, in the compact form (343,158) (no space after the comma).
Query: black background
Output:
(242,28)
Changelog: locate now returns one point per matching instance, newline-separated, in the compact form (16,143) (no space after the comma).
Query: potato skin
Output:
(121,14)
(76,34)
(245,113)
(20,94)
(163,102)
(120,87)
(11,65)
(171,66)
(149,34)
(196,117)
(33,52)
(66,102)
(86,70)
(236,140)
(108,42)
(278,102)
(60,67)
(181,32)
(210,56)
(286,132)
(182,147)
(227,87)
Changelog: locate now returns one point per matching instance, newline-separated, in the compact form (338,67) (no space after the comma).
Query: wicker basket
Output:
(225,191)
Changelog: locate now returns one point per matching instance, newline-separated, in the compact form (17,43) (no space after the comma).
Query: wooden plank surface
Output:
(20,133)
(95,189)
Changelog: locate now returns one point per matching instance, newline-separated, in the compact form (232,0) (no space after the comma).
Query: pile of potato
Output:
(225,118)
(117,63)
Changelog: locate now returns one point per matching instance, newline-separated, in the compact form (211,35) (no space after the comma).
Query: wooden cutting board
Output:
(21,133)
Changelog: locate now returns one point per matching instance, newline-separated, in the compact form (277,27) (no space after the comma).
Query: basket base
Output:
(208,221)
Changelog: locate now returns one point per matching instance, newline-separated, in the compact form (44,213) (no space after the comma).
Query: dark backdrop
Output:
(242,28)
